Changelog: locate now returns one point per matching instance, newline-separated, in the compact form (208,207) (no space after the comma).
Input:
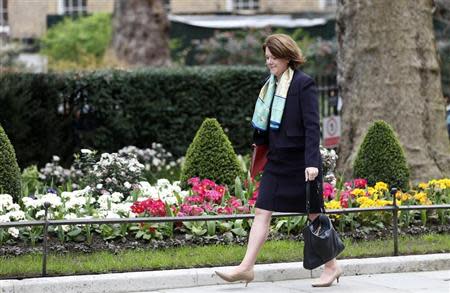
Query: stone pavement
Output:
(411,273)
(430,282)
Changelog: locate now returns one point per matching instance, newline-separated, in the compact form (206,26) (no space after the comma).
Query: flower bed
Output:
(113,186)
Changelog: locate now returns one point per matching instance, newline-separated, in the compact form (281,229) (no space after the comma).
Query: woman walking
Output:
(286,118)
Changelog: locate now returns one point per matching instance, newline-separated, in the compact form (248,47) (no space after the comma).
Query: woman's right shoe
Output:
(337,274)
(246,276)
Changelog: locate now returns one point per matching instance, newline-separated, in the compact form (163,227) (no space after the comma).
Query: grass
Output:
(30,265)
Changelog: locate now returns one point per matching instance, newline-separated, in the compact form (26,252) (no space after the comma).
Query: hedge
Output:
(120,108)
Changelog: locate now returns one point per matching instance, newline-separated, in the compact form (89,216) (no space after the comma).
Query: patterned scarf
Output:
(270,91)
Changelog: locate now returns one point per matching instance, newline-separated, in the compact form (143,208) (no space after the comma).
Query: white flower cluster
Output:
(329,159)
(155,158)
(115,173)
(9,211)
(53,171)
(163,190)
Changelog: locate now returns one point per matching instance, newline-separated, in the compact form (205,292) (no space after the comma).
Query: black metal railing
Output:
(46,222)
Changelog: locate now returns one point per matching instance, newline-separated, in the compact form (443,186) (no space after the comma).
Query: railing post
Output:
(45,248)
(395,219)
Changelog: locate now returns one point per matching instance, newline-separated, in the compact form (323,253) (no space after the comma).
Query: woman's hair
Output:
(283,46)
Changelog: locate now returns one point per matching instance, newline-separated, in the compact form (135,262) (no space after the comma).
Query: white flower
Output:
(163,182)
(30,203)
(132,169)
(40,214)
(6,201)
(55,158)
(116,197)
(99,186)
(127,185)
(14,232)
(4,219)
(75,202)
(66,195)
(16,215)
(86,151)
(53,199)
(14,207)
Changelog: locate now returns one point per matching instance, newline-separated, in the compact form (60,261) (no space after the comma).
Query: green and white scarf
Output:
(270,91)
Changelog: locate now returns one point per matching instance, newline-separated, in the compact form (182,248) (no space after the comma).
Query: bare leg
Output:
(258,235)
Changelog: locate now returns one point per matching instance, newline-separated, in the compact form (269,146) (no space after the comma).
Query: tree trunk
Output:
(388,69)
(141,33)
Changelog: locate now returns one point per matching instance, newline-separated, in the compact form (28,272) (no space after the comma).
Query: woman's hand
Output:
(311,173)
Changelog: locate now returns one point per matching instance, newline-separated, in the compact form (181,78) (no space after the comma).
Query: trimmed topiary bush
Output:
(211,156)
(381,157)
(9,169)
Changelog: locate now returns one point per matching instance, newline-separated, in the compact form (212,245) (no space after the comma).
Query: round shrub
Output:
(9,169)
(211,156)
(381,157)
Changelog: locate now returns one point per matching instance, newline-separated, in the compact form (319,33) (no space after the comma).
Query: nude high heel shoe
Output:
(246,276)
(337,274)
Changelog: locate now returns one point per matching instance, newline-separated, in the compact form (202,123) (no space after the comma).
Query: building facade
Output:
(28,19)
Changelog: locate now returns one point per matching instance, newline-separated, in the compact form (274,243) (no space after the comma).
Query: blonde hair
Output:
(283,46)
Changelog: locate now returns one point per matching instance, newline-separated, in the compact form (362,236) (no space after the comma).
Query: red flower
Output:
(156,208)
(360,183)
(151,229)
(345,196)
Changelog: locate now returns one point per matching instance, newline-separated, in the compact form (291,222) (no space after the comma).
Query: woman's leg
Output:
(258,235)
(330,266)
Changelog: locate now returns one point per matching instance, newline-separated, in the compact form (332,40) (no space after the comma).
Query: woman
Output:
(286,118)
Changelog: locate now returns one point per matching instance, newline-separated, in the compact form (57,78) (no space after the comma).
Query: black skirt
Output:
(283,187)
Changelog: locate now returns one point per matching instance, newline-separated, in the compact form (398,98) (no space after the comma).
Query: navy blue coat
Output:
(300,124)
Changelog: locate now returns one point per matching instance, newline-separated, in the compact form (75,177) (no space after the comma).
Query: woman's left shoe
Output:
(337,274)
(246,276)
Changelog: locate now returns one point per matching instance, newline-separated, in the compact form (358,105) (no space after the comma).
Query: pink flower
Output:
(207,207)
(345,196)
(193,181)
(328,191)
(213,195)
(224,210)
(207,183)
(196,211)
(234,202)
(360,183)
(348,185)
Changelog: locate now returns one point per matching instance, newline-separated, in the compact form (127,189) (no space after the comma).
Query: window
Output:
(246,4)
(74,7)
(3,13)
(330,3)
(166,4)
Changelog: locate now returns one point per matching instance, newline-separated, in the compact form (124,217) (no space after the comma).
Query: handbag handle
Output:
(308,198)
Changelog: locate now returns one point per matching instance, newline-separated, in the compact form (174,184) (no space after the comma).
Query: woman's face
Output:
(276,65)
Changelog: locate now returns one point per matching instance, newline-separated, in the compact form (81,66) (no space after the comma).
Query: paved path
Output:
(430,282)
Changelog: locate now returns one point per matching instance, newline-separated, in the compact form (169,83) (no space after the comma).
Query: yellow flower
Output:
(381,186)
(357,192)
(402,196)
(371,190)
(420,196)
(440,184)
(423,185)
(382,202)
(365,202)
(333,205)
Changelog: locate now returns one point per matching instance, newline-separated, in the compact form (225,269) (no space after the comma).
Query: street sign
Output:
(331,131)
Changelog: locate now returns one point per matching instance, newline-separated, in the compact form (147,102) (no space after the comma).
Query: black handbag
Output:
(322,242)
